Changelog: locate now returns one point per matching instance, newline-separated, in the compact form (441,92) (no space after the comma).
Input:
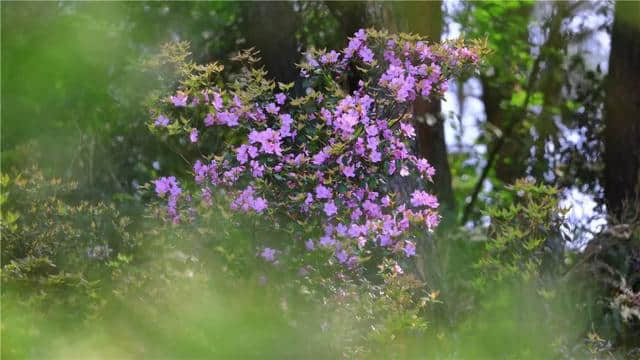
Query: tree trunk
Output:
(622,110)
(270,27)
(352,15)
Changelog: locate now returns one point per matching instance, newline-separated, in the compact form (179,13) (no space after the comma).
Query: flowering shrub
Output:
(322,159)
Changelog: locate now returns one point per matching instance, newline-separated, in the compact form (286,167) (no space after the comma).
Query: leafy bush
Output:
(523,234)
(322,160)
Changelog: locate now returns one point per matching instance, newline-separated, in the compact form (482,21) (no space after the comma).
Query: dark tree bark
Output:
(622,110)
(352,15)
(270,27)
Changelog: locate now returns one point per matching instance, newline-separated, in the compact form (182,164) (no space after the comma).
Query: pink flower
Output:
(396,269)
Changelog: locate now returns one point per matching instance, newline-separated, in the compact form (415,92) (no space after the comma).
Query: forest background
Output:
(537,160)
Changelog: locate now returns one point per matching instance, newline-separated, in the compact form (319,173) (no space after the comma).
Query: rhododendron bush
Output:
(313,153)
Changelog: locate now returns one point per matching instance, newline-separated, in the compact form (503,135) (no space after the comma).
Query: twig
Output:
(555,23)
(507,132)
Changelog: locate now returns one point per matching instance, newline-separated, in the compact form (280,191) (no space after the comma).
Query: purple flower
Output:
(269,140)
(257,170)
(346,123)
(385,240)
(342,256)
(271,108)
(319,158)
(409,248)
(170,185)
(207,196)
(386,201)
(326,116)
(280,98)
(372,130)
(241,154)
(252,151)
(309,245)
(372,209)
(193,135)
(200,171)
(361,35)
(352,47)
(209,120)
(375,156)
(285,127)
(180,99)
(373,142)
(349,171)
(228,118)
(259,204)
(356,230)
(162,121)
(322,192)
(432,220)
(309,199)
(327,241)
(330,57)
(422,198)
(408,130)
(162,186)
(425,168)
(330,208)
(366,54)
(217,101)
(268,254)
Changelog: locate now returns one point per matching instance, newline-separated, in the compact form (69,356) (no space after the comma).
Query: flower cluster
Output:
(324,158)
(169,185)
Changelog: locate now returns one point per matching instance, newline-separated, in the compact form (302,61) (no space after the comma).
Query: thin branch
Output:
(507,133)
(555,23)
